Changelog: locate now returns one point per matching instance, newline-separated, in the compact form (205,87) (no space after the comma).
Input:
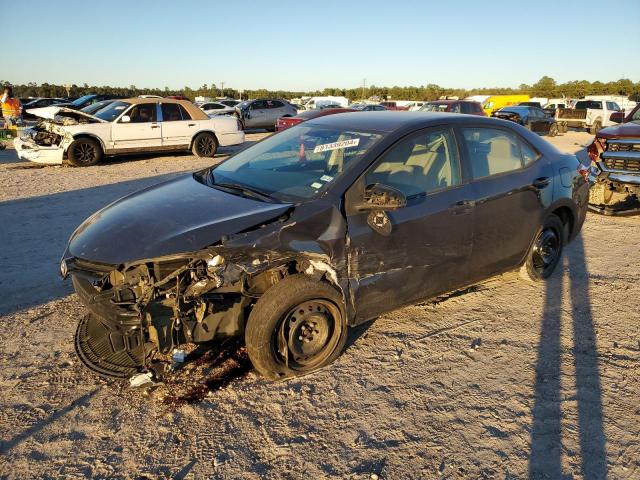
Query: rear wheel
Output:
(546,251)
(204,145)
(84,152)
(553,130)
(296,327)
(596,127)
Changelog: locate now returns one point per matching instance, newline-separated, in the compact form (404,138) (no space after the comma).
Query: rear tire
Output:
(596,127)
(553,130)
(84,152)
(204,145)
(546,251)
(296,327)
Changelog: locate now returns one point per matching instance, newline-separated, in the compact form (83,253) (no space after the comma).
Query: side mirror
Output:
(382,197)
(617,117)
(125,119)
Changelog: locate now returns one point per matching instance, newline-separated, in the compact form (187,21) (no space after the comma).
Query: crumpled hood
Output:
(50,113)
(629,129)
(177,216)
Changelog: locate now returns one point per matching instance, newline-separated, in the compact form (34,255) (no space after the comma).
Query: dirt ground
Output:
(506,380)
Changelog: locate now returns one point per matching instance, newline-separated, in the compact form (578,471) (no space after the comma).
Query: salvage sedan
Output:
(127,126)
(325,225)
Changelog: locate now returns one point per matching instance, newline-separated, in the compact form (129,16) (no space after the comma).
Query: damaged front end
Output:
(48,140)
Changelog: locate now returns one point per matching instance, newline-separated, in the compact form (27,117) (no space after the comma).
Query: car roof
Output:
(194,111)
(390,121)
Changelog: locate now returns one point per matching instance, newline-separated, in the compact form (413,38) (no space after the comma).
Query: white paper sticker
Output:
(316,185)
(337,145)
(326,178)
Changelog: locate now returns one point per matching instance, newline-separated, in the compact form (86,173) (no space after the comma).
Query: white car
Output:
(216,108)
(125,126)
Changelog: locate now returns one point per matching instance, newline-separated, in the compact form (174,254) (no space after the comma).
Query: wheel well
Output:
(566,216)
(92,137)
(203,131)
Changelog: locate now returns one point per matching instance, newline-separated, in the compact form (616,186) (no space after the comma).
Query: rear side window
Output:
(422,163)
(143,113)
(492,151)
(171,112)
(184,113)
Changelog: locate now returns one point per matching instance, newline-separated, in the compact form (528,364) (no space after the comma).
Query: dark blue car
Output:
(534,118)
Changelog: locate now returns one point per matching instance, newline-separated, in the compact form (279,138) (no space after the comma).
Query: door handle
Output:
(191,124)
(155,126)
(541,182)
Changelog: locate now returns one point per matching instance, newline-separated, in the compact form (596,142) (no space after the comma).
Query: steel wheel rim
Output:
(205,146)
(546,250)
(84,152)
(308,334)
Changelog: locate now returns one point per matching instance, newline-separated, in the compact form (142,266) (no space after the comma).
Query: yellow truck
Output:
(496,102)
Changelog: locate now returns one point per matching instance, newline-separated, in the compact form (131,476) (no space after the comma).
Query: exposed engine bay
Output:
(140,312)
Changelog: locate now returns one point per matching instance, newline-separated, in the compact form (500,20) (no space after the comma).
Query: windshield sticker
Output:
(326,178)
(337,145)
(316,185)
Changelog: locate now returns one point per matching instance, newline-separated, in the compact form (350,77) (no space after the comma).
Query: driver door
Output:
(397,257)
(137,129)
(257,115)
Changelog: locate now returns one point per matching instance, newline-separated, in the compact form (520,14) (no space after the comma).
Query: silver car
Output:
(264,112)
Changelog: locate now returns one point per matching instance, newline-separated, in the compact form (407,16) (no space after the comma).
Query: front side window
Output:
(296,164)
(492,151)
(422,163)
(143,113)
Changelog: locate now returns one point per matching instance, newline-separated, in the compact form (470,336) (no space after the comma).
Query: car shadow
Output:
(34,234)
(545,460)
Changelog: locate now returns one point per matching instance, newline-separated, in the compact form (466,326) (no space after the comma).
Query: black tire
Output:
(297,316)
(204,145)
(553,130)
(596,127)
(84,152)
(546,250)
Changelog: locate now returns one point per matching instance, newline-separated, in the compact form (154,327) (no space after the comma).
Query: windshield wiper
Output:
(246,191)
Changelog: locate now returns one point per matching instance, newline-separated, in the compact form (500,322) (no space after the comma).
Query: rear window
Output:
(589,104)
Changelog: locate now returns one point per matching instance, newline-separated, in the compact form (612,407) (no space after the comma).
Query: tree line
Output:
(545,87)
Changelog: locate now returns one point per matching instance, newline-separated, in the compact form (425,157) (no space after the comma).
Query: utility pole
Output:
(222,88)
(364,86)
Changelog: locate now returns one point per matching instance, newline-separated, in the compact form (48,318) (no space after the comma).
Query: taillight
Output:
(596,148)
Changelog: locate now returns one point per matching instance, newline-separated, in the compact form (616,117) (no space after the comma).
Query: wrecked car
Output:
(615,160)
(133,125)
(323,226)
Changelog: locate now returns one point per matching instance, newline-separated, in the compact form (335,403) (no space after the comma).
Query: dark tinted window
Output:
(258,105)
(589,104)
(455,108)
(143,113)
(492,151)
(276,104)
(171,112)
(465,107)
(424,162)
(185,114)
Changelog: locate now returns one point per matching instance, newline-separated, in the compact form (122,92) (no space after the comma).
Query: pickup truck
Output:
(589,114)
(615,159)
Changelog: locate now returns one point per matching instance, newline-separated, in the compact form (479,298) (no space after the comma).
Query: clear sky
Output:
(308,45)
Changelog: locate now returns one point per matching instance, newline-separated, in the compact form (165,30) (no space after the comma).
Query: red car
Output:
(454,106)
(615,161)
(393,106)
(285,122)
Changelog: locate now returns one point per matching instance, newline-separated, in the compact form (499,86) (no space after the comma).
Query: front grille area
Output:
(624,164)
(623,147)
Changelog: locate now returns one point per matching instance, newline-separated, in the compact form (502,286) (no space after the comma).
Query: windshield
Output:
(80,101)
(243,105)
(111,111)
(435,107)
(295,164)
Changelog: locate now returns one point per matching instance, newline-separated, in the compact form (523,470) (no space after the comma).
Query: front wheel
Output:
(596,127)
(204,145)
(296,327)
(84,152)
(553,130)
(545,253)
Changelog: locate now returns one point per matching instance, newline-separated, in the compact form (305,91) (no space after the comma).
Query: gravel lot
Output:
(507,380)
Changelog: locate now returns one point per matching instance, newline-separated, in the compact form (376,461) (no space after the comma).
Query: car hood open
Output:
(50,113)
(181,215)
